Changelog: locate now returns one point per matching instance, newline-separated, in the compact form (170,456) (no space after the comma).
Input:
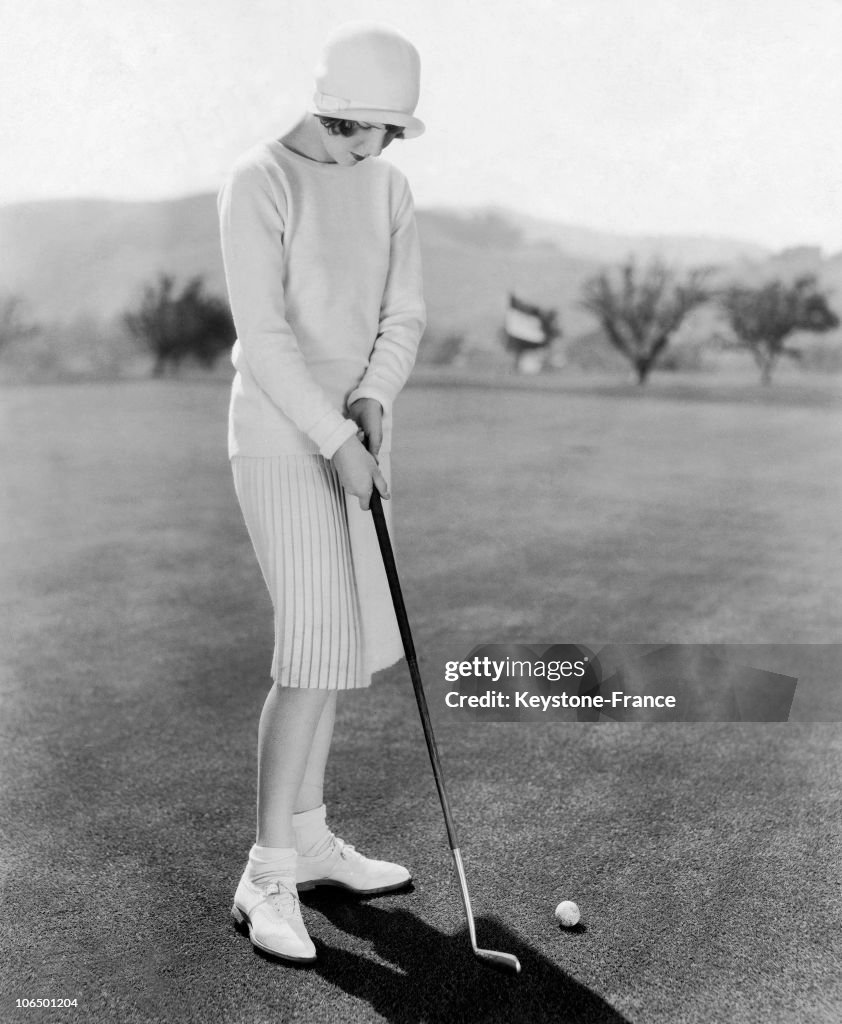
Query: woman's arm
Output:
(402,313)
(251,216)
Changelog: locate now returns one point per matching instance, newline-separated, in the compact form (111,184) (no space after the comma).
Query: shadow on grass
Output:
(428,976)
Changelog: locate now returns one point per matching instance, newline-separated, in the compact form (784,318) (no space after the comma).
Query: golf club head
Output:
(504,961)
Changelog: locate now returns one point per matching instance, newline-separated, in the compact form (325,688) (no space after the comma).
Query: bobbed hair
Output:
(339,126)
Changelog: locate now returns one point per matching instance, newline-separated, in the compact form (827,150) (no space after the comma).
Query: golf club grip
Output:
(386,551)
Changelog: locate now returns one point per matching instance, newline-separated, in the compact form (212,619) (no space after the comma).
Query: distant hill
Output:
(91,256)
(70,257)
(605,247)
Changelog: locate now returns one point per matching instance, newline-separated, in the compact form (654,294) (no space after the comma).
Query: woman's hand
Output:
(358,471)
(367,413)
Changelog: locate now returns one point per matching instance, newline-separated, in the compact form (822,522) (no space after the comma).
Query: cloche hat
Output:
(369,73)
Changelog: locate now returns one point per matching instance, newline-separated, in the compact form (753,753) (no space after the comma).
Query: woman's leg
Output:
(266,900)
(290,728)
(311,791)
(323,859)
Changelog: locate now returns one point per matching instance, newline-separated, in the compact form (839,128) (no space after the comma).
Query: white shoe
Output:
(272,915)
(338,863)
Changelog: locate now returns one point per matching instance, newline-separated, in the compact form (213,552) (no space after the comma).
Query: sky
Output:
(703,117)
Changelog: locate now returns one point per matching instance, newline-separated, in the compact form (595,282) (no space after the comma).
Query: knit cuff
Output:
(332,432)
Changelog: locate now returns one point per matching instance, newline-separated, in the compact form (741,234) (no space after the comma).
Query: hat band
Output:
(332,104)
(327,104)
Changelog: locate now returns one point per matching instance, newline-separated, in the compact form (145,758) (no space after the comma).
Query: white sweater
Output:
(323,271)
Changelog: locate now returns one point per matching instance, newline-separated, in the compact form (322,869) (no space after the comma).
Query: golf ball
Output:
(567,913)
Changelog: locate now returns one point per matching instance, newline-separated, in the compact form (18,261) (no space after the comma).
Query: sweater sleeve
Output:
(402,313)
(251,216)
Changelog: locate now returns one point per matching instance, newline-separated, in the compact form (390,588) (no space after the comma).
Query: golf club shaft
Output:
(409,650)
(507,960)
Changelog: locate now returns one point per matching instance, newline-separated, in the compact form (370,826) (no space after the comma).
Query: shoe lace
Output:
(346,851)
(282,896)
(331,842)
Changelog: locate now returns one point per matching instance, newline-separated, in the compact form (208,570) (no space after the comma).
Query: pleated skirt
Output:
(334,622)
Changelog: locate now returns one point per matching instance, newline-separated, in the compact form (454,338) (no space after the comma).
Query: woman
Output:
(324,278)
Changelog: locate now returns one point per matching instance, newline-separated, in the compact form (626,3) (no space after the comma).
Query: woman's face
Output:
(366,141)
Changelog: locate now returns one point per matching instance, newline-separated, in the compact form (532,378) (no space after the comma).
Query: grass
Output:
(137,643)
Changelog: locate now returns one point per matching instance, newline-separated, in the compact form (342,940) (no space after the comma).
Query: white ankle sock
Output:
(310,830)
(267,863)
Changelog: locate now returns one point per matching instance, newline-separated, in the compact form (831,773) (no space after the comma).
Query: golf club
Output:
(505,960)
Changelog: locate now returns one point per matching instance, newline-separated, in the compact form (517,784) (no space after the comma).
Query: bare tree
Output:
(640,310)
(764,317)
(14,323)
(174,326)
